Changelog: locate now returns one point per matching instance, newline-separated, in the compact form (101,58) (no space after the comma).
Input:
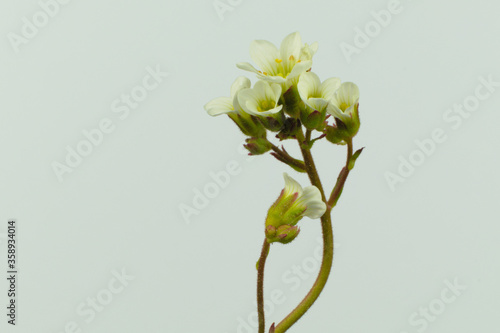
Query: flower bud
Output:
(257,146)
(283,234)
(289,129)
(291,206)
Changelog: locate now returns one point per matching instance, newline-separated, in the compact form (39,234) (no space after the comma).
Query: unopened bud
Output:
(257,146)
(284,234)
(289,129)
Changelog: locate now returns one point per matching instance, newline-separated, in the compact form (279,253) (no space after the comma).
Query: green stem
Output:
(309,163)
(260,285)
(326,226)
(339,186)
(284,157)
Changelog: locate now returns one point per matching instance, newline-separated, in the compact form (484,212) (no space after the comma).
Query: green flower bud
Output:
(291,206)
(289,129)
(283,234)
(257,146)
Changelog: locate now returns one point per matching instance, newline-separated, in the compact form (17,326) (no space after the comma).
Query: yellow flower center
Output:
(343,106)
(265,105)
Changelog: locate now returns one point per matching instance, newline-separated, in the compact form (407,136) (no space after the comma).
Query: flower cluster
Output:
(286,92)
(288,97)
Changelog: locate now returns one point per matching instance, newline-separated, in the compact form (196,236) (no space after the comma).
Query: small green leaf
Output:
(354,157)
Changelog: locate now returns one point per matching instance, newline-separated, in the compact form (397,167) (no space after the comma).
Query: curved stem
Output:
(319,284)
(260,285)
(326,226)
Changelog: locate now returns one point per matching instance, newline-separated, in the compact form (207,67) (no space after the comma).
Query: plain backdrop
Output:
(118,211)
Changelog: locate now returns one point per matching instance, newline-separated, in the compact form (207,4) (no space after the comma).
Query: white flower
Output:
(314,93)
(293,204)
(282,66)
(308,199)
(224,105)
(262,99)
(344,106)
(344,101)
(248,124)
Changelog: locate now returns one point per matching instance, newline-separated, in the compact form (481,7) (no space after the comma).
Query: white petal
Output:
(249,100)
(276,88)
(290,46)
(336,112)
(271,111)
(264,54)
(270,78)
(308,86)
(318,104)
(291,185)
(262,88)
(240,83)
(314,48)
(307,52)
(299,68)
(329,87)
(219,106)
(247,67)
(347,93)
(311,198)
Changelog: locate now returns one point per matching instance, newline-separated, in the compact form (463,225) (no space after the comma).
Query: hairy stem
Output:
(260,285)
(309,163)
(339,186)
(326,226)
(284,157)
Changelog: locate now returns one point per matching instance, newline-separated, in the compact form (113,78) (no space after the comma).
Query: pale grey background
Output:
(120,207)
